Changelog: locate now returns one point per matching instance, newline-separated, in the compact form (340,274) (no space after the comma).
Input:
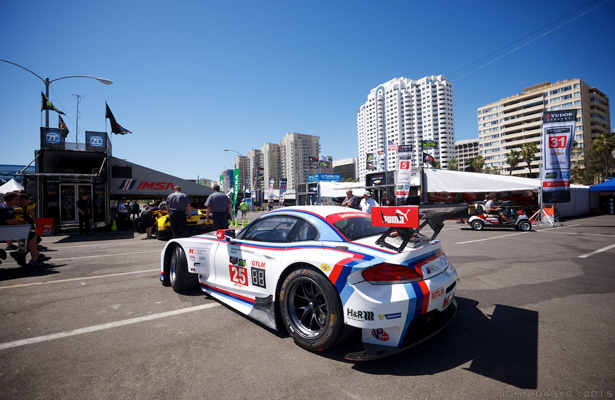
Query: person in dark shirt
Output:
(85,213)
(219,205)
(351,200)
(177,205)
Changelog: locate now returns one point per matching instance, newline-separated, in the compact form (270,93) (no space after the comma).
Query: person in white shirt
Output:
(367,202)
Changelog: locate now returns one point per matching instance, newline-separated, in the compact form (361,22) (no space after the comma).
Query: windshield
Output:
(358,227)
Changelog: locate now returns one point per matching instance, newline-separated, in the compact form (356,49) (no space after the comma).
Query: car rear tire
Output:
(311,310)
(179,277)
(525,226)
(478,225)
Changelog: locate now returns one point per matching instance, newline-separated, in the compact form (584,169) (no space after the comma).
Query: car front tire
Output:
(311,310)
(179,277)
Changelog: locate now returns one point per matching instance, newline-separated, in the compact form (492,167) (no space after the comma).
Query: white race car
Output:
(322,271)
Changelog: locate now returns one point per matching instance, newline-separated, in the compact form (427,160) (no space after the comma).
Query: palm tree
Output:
(528,152)
(453,165)
(478,163)
(513,158)
(604,144)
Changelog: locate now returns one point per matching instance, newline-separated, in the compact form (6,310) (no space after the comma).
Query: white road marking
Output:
(514,234)
(77,279)
(597,251)
(100,255)
(110,325)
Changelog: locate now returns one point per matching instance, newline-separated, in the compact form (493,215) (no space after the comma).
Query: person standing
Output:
(85,214)
(148,220)
(122,214)
(219,206)
(351,200)
(368,202)
(177,205)
(244,208)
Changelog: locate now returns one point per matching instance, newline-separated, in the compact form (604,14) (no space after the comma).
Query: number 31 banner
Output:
(557,138)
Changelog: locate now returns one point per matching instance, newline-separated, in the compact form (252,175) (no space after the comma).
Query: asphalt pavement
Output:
(535,320)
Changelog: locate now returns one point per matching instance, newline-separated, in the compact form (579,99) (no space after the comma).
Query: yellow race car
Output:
(196,224)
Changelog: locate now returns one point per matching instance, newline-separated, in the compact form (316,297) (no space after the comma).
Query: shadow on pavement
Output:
(503,347)
(98,236)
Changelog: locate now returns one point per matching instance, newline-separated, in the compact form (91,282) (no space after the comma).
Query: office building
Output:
(403,111)
(296,149)
(509,123)
(271,164)
(465,151)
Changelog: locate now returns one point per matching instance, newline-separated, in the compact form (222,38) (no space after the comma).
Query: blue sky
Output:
(191,78)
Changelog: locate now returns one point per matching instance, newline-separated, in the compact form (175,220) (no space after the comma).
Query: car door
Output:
(249,265)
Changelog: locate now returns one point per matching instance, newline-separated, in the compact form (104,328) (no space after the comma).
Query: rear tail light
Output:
(388,274)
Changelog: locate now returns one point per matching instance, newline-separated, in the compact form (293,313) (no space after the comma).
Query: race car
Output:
(324,271)
(196,224)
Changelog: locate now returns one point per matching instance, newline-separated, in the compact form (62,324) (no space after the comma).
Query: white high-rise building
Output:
(404,111)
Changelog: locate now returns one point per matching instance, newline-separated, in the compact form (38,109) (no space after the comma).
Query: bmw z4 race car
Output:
(324,271)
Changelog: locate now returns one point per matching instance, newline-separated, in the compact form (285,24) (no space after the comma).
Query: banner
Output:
(235,186)
(282,190)
(557,138)
(369,162)
(403,174)
(271,183)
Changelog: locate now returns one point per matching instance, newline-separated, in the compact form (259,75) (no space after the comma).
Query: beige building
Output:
(295,152)
(465,151)
(509,123)
(271,164)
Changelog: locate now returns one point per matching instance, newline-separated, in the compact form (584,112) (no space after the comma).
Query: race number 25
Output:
(557,142)
(238,275)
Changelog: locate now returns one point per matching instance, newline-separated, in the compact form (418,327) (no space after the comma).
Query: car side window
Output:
(306,232)
(271,229)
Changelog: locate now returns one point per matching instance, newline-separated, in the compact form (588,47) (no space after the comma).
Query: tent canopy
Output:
(10,186)
(608,186)
(446,181)
(338,189)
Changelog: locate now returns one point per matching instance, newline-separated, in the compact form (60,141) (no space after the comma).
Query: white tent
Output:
(446,181)
(10,186)
(338,189)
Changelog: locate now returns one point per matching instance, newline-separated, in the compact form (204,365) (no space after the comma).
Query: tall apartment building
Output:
(295,152)
(465,151)
(405,111)
(509,123)
(255,170)
(271,164)
(241,163)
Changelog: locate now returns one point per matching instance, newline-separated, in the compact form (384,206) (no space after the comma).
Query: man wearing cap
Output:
(177,204)
(368,202)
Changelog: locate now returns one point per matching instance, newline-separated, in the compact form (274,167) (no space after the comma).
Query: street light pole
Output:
(48,82)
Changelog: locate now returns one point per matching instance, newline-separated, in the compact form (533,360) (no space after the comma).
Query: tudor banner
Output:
(558,129)
(403,174)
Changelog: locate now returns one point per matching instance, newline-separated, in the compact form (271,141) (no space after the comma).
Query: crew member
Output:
(219,206)
(177,204)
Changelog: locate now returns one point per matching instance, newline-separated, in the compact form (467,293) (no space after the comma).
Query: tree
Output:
(528,152)
(478,163)
(513,158)
(453,165)
(604,144)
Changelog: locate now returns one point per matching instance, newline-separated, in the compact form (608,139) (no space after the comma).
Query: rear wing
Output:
(404,221)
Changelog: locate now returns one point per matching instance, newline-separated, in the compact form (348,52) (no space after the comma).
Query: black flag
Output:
(62,127)
(48,106)
(429,160)
(115,127)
